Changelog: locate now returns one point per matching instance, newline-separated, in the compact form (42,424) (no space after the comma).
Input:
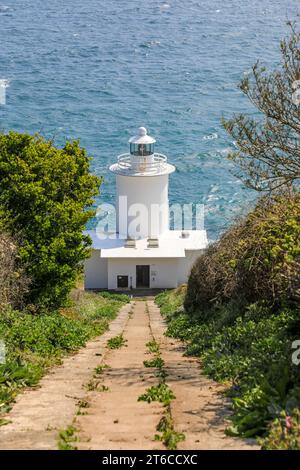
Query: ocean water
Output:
(98,69)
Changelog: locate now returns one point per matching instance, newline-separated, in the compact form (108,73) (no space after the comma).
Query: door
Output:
(143,276)
(122,282)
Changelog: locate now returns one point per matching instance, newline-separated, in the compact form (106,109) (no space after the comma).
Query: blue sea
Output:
(98,69)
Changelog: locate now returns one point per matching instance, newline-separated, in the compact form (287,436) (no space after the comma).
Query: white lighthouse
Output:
(142,177)
(142,252)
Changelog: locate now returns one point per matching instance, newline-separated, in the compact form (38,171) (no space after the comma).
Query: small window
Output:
(141,150)
(122,282)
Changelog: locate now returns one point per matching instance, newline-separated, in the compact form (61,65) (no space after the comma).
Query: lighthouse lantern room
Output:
(142,252)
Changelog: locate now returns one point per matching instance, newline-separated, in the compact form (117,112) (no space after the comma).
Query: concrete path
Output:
(199,410)
(112,417)
(115,419)
(39,414)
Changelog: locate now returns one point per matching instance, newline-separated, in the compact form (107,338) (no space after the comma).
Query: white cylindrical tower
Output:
(142,205)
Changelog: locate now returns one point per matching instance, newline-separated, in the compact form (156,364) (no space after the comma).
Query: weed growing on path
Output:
(157,362)
(116,342)
(153,347)
(161,393)
(67,438)
(99,370)
(169,436)
(161,374)
(82,405)
(3,421)
(93,385)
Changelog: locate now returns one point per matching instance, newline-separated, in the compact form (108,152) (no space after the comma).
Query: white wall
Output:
(95,272)
(163,271)
(150,190)
(185,265)
(101,273)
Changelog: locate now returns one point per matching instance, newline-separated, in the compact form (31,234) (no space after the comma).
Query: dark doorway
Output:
(143,276)
(122,282)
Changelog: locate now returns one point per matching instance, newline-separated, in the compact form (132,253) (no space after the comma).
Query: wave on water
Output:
(5,9)
(164,7)
(212,136)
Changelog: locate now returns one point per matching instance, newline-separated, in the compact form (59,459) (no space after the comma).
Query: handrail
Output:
(125,162)
(152,165)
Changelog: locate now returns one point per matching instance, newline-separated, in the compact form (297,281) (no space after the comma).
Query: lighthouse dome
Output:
(142,137)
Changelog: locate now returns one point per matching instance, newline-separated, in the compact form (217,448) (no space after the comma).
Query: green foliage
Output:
(116,342)
(44,196)
(175,300)
(284,432)
(168,435)
(94,385)
(252,353)
(13,280)
(257,258)
(36,342)
(161,393)
(67,438)
(100,369)
(153,347)
(155,362)
(115,296)
(4,422)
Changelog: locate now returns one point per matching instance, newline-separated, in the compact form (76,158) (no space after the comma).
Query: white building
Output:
(143,252)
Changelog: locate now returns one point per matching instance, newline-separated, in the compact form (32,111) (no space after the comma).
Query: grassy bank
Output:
(252,354)
(35,343)
(240,313)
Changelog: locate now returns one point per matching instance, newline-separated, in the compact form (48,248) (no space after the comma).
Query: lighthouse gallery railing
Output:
(157,163)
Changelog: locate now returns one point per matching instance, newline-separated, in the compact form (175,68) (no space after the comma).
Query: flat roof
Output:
(171,245)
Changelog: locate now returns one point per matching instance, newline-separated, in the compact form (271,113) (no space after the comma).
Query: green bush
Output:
(257,258)
(284,432)
(13,281)
(44,196)
(174,300)
(253,354)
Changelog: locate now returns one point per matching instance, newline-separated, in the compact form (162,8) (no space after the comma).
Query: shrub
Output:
(284,432)
(174,299)
(258,258)
(44,194)
(251,353)
(13,281)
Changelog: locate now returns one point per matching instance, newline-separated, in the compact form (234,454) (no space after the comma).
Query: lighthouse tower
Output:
(142,179)
(143,253)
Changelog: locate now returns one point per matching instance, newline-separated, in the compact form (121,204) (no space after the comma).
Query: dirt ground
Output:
(103,407)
